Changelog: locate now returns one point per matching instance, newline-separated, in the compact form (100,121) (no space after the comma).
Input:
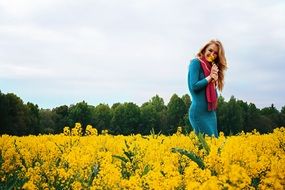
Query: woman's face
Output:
(211,52)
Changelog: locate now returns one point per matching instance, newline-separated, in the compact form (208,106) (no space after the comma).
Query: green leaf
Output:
(121,158)
(204,143)
(93,174)
(129,155)
(190,155)
(146,169)
(255,182)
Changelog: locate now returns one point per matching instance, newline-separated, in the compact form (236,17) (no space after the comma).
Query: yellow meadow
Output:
(73,161)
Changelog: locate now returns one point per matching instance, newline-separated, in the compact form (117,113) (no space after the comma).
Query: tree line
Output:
(234,116)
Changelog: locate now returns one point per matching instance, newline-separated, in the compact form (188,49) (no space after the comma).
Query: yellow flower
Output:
(66,131)
(210,58)
(90,131)
(245,161)
(29,186)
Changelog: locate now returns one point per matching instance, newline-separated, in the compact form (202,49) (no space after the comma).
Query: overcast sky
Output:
(61,52)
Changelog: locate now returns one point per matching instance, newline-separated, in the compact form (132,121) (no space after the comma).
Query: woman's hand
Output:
(215,77)
(214,72)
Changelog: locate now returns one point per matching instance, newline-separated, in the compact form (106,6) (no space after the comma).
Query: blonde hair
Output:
(220,60)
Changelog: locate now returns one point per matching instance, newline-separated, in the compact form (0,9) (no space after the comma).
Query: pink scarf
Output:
(211,94)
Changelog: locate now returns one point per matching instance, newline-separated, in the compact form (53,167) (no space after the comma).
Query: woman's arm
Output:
(193,76)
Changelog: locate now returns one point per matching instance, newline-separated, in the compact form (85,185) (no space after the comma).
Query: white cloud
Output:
(19,8)
(132,50)
(10,71)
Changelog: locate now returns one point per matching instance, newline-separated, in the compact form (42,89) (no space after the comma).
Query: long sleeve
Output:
(193,76)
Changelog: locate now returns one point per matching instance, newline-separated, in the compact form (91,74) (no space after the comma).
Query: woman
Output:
(206,73)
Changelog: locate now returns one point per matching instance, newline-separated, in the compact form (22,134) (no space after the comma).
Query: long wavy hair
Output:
(220,61)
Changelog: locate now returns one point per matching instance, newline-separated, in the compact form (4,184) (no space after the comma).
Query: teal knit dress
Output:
(202,120)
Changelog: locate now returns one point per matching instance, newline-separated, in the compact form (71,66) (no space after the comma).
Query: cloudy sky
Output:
(59,52)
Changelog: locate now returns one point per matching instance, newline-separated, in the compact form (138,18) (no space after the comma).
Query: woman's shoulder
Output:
(195,61)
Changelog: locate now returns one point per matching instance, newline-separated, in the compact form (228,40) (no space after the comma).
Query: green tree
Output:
(126,119)
(161,110)
(244,113)
(15,114)
(273,114)
(149,119)
(82,113)
(253,118)
(283,110)
(115,105)
(47,123)
(61,118)
(158,103)
(3,114)
(176,110)
(235,116)
(33,118)
(102,116)
(264,124)
(230,116)
(187,101)
(222,116)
